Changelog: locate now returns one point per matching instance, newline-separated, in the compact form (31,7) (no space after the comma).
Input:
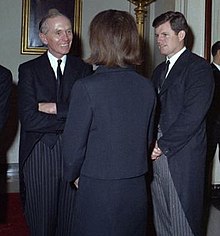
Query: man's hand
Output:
(47,107)
(156,153)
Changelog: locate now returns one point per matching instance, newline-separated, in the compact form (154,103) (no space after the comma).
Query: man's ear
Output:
(43,38)
(181,35)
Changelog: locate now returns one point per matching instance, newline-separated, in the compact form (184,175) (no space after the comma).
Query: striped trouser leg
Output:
(169,217)
(65,209)
(46,192)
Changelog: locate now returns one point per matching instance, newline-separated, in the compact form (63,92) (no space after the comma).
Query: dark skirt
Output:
(111,207)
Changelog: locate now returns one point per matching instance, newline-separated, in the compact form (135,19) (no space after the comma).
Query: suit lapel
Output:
(175,71)
(69,71)
(70,75)
(46,70)
(46,74)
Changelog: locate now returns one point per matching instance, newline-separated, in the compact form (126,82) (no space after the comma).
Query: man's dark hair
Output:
(215,48)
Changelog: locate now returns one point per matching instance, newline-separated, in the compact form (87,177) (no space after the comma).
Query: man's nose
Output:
(159,38)
(66,37)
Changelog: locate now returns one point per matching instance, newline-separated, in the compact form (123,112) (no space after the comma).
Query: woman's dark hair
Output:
(114,39)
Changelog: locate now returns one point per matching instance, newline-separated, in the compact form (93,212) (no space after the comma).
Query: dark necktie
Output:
(163,74)
(59,80)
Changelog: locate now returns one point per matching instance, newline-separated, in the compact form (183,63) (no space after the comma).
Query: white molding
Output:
(215,21)
(181,6)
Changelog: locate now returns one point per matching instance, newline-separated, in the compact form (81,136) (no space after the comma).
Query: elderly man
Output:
(44,92)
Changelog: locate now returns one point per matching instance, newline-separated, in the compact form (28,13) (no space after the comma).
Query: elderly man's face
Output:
(59,36)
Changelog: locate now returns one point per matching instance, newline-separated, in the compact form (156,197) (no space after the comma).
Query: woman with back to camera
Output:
(108,131)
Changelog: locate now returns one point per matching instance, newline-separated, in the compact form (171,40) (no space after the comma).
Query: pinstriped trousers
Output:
(169,217)
(49,199)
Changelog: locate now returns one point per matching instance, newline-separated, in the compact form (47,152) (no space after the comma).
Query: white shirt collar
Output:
(53,62)
(218,66)
(174,58)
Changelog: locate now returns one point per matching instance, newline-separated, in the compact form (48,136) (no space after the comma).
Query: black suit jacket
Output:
(5,91)
(37,83)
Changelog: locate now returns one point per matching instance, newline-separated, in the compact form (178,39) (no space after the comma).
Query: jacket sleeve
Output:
(76,131)
(5,92)
(31,119)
